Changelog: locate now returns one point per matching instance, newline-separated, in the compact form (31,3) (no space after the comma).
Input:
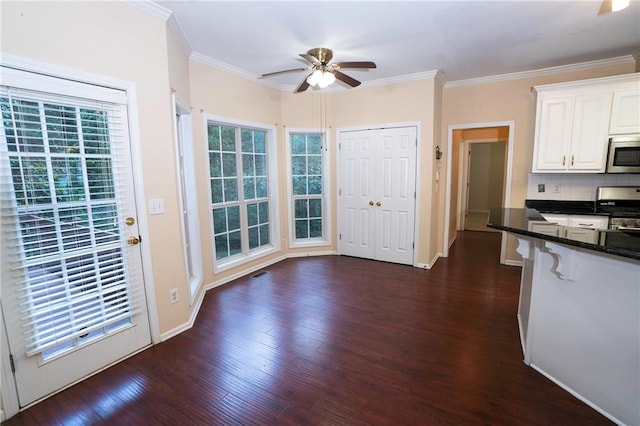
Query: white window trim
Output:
(272,176)
(310,242)
(183,137)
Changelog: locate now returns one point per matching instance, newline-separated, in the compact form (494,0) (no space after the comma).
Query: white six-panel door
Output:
(377,194)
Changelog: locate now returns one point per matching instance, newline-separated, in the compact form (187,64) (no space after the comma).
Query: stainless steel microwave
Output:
(624,154)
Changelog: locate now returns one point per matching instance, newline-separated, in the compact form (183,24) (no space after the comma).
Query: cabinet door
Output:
(553,134)
(589,135)
(625,112)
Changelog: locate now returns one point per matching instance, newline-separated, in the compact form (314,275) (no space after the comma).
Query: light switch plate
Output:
(156,206)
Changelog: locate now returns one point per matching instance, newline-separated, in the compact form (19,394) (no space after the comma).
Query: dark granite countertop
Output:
(517,221)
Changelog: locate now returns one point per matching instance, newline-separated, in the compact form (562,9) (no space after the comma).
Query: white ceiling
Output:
(462,39)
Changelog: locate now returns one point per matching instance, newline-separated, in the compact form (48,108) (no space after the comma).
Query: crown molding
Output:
(620,60)
(223,66)
(150,8)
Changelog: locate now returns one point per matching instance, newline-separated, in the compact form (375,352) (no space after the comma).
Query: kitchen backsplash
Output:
(575,186)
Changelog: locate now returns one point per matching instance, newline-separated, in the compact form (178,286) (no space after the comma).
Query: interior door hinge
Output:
(339,191)
(12,363)
(340,236)
(413,245)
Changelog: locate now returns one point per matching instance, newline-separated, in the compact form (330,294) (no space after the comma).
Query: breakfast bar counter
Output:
(579,313)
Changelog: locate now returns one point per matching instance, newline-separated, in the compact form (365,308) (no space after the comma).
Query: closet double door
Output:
(377,194)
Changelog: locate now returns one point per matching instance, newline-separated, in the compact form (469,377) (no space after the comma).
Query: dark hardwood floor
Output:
(338,341)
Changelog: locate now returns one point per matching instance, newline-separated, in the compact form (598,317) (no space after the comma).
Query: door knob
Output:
(378,204)
(133,240)
(371,203)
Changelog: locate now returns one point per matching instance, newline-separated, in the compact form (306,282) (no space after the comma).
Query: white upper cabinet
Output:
(571,133)
(574,121)
(625,113)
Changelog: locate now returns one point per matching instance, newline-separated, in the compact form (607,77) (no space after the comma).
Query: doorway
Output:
(459,138)
(483,188)
(72,283)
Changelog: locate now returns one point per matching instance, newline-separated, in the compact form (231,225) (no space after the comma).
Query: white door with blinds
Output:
(72,285)
(377,194)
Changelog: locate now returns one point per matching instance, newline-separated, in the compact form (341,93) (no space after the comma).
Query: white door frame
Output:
(9,393)
(507,187)
(418,126)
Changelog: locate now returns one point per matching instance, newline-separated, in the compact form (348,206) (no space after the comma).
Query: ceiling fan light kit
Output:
(323,72)
(609,6)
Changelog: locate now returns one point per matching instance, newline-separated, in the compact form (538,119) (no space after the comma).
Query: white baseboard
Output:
(509,262)
(431,263)
(577,395)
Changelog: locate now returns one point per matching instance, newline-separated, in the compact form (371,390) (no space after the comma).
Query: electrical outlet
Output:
(541,187)
(556,188)
(173,295)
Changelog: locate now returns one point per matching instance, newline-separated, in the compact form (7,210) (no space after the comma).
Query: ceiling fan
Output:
(323,72)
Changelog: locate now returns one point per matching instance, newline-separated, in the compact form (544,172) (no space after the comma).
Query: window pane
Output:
(259,141)
(222,246)
(233,217)
(263,212)
(300,209)
(99,178)
(214,137)
(228,139)
(68,179)
(252,214)
(216,191)
(30,180)
(299,185)
(95,131)
(215,164)
(314,144)
(247,165)
(302,228)
(229,166)
(261,187)
(299,165)
(249,188)
(235,243)
(230,189)
(264,235)
(62,129)
(315,165)
(247,140)
(315,207)
(219,221)
(315,185)
(315,228)
(254,238)
(298,144)
(261,165)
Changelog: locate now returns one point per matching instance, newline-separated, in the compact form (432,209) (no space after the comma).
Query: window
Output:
(241,200)
(188,199)
(307,173)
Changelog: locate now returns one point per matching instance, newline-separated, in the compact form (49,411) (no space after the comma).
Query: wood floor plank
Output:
(337,341)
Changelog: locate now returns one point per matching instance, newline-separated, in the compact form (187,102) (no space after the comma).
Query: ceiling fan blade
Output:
(269,74)
(357,64)
(311,59)
(346,79)
(302,86)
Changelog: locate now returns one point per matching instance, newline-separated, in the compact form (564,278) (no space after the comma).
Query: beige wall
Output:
(510,100)
(398,103)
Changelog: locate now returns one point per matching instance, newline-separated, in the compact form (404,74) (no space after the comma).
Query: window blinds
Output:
(64,184)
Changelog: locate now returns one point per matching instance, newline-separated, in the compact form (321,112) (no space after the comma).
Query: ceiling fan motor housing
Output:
(322,54)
